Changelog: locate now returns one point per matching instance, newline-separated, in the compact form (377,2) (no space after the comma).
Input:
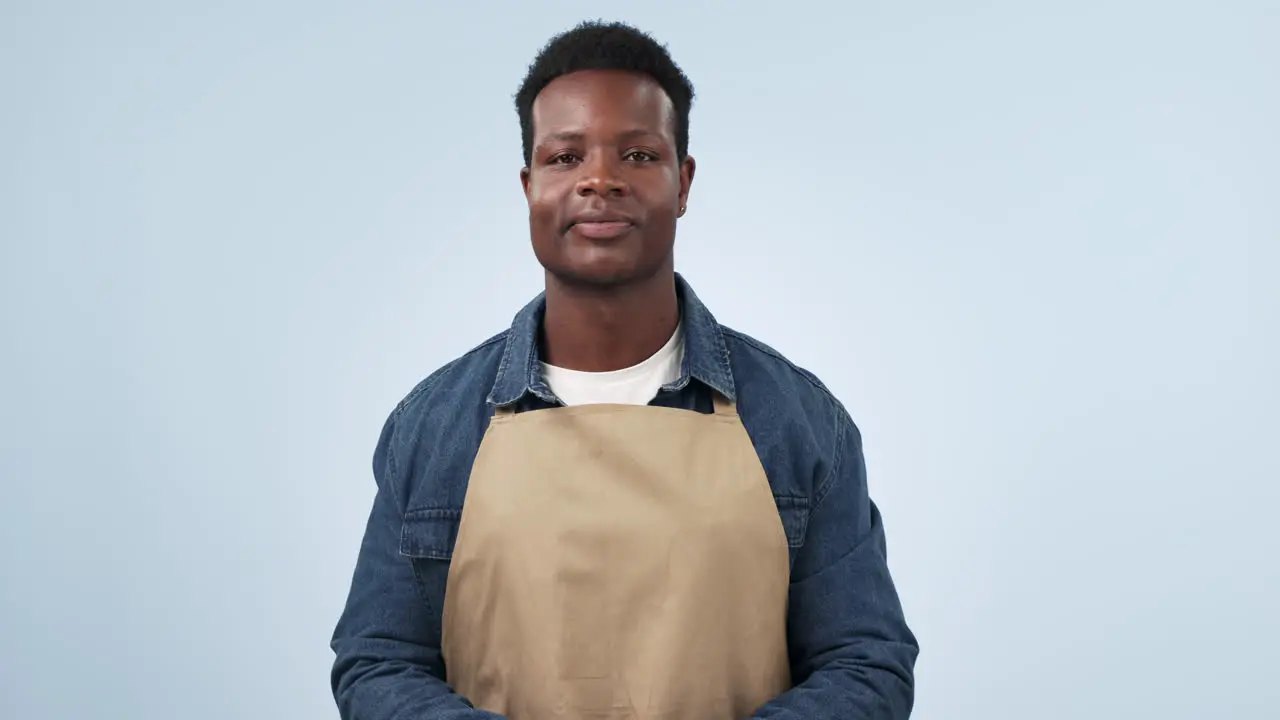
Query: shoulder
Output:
(461,378)
(437,426)
(752,355)
(789,412)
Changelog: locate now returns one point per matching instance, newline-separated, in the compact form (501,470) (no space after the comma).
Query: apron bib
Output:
(618,562)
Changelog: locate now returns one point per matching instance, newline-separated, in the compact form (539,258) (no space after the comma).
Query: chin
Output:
(599,276)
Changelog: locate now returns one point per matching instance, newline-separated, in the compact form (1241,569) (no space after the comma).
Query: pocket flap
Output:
(429,533)
(794,510)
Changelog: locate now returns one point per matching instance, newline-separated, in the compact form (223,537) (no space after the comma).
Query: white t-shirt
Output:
(636,385)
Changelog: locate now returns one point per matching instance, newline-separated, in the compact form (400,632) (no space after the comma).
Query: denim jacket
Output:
(851,652)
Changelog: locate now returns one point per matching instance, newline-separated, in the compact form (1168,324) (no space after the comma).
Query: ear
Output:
(687,169)
(524,181)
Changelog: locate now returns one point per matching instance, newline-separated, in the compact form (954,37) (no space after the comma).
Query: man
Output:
(663,518)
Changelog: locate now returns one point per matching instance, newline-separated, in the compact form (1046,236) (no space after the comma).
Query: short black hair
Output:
(597,45)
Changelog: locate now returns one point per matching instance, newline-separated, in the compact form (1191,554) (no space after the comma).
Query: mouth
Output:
(601,229)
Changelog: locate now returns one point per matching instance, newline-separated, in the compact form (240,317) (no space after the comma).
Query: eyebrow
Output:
(577,135)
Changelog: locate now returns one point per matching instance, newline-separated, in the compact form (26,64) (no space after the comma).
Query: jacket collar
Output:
(706,356)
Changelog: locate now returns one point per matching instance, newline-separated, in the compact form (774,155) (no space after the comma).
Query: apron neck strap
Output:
(722,405)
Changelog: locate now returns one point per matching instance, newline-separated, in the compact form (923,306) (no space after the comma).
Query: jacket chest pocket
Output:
(793,510)
(427,539)
(430,533)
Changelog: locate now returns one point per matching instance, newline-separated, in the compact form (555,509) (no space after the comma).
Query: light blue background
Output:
(1032,246)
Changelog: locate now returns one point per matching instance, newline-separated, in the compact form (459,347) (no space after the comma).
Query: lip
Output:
(600,225)
(601,230)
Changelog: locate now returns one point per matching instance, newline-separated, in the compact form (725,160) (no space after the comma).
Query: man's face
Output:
(604,186)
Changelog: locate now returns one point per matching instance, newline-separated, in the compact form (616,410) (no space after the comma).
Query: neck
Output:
(604,329)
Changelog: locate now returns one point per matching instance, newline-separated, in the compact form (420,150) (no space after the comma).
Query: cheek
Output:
(536,192)
(543,199)
(660,189)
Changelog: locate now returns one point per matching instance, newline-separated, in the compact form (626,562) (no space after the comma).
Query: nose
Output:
(602,175)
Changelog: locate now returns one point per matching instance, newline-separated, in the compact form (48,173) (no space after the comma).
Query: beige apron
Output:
(618,562)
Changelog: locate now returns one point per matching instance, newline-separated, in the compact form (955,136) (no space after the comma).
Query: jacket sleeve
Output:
(852,654)
(387,667)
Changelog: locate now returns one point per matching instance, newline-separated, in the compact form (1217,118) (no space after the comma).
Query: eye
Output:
(641,156)
(564,158)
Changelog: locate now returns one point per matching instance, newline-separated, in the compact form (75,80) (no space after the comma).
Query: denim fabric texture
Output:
(851,651)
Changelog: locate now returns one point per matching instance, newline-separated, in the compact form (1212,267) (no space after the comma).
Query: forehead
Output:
(601,100)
